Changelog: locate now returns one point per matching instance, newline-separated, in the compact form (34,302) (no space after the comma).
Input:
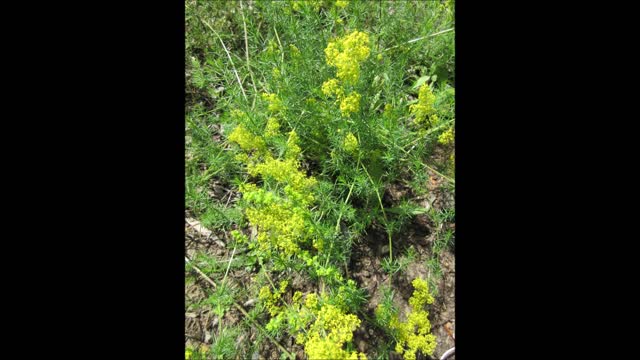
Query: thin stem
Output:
(440,174)
(229,265)
(384,214)
(338,223)
(420,38)
(279,43)
(229,56)
(246,47)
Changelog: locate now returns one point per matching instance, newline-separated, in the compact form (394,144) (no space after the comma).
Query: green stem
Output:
(337,227)
(384,214)
(338,224)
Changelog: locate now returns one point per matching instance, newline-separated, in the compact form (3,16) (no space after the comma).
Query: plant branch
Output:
(448,353)
(420,38)
(246,47)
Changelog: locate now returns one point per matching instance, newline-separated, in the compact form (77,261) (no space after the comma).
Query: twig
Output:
(241,309)
(246,47)
(229,199)
(439,174)
(229,56)
(424,37)
(420,38)
(434,129)
(229,266)
(448,353)
(279,43)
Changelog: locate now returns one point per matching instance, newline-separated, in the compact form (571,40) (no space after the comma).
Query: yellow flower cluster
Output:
(329,332)
(297,5)
(332,87)
(275,104)
(295,52)
(341,3)
(272,47)
(424,111)
(446,137)
(282,221)
(347,53)
(271,299)
(238,115)
(296,185)
(311,301)
(321,328)
(414,334)
(272,129)
(281,216)
(350,104)
(350,143)
(246,139)
(280,225)
(293,150)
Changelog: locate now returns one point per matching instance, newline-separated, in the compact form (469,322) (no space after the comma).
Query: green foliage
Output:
(321,324)
(399,264)
(224,344)
(309,112)
(415,334)
(385,312)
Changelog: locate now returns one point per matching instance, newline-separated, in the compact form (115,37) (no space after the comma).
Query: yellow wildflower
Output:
(275,104)
(446,137)
(332,87)
(347,53)
(327,335)
(341,3)
(350,104)
(272,129)
(295,52)
(414,334)
(311,301)
(293,150)
(350,143)
(272,47)
(424,109)
(246,139)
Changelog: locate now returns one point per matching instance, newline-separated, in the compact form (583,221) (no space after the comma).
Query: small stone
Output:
(250,302)
(362,346)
